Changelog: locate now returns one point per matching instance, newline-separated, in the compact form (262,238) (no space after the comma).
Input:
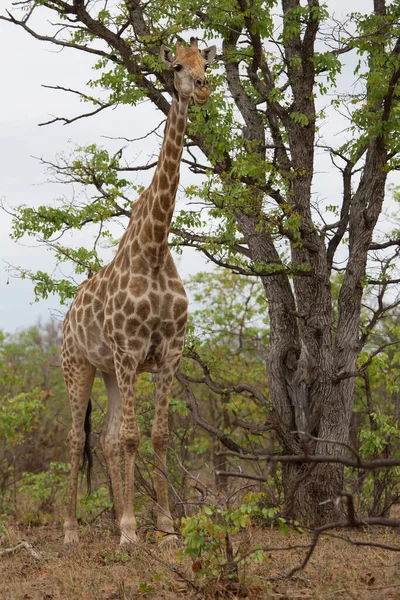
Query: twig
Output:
(361,463)
(99,515)
(347,375)
(307,556)
(83,116)
(366,544)
(383,587)
(22,545)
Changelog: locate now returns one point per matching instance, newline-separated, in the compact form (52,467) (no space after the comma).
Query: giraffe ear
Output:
(209,53)
(166,55)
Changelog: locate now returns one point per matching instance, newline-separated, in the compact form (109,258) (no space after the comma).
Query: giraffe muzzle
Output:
(201,96)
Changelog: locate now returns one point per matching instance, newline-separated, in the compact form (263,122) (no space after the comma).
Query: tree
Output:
(255,147)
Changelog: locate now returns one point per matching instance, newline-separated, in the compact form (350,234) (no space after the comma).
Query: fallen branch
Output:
(20,546)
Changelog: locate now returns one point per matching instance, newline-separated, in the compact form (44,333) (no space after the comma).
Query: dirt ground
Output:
(98,570)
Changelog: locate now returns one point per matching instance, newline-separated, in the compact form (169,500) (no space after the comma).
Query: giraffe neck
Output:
(166,178)
(159,198)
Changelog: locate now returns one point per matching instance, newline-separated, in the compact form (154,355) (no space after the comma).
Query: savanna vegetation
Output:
(236,535)
(289,387)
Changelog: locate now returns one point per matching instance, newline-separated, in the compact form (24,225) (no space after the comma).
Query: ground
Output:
(98,569)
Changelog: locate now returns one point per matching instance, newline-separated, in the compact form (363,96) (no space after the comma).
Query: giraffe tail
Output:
(87,451)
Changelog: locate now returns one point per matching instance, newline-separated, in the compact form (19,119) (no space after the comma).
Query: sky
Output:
(27,65)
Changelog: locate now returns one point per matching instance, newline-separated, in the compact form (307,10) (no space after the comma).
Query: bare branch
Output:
(140,168)
(193,407)
(57,42)
(222,389)
(359,463)
(383,245)
(22,546)
(73,119)
(196,240)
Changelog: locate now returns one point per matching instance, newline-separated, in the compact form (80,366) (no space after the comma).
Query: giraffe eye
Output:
(206,67)
(177,68)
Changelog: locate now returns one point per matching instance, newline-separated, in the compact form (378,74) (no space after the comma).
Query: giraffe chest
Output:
(147,320)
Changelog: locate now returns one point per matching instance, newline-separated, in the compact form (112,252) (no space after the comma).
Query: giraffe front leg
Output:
(160,440)
(76,441)
(110,442)
(129,439)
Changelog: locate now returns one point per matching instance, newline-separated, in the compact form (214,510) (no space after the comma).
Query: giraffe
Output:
(131,317)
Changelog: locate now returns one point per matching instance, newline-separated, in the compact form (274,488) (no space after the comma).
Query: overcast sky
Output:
(27,64)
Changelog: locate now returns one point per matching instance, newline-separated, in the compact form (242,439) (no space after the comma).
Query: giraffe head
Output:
(189,66)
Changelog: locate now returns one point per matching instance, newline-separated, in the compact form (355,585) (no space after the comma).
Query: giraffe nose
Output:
(201,82)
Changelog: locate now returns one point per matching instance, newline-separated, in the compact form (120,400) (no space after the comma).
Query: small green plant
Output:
(90,506)
(384,433)
(4,533)
(118,556)
(43,492)
(145,588)
(207,539)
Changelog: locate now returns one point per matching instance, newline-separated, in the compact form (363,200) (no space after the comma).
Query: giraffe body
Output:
(146,319)
(131,317)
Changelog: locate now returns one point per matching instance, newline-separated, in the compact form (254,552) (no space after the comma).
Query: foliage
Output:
(29,380)
(228,332)
(40,493)
(207,538)
(43,496)
(17,418)
(384,433)
(90,506)
(375,417)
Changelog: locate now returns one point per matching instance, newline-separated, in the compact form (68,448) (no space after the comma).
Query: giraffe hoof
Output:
(127,538)
(71,538)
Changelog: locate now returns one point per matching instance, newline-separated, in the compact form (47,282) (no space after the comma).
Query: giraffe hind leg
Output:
(78,376)
(110,443)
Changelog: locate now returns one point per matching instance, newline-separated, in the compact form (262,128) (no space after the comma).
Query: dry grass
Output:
(98,570)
